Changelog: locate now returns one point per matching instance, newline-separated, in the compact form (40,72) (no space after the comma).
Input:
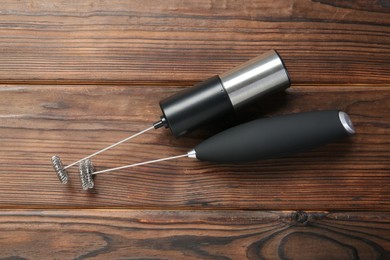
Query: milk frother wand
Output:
(259,139)
(214,98)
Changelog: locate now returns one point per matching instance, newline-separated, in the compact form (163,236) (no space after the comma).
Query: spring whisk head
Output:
(62,174)
(86,171)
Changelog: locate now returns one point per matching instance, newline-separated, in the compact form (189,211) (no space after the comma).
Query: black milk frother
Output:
(259,139)
(214,98)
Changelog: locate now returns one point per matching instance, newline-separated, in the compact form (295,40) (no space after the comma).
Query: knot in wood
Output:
(300,217)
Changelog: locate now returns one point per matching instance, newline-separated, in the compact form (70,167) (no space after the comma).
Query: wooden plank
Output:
(110,234)
(74,121)
(132,42)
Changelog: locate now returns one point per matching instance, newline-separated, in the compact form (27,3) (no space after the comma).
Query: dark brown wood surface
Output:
(74,121)
(76,76)
(119,234)
(171,41)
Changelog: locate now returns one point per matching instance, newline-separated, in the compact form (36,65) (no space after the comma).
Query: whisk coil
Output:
(62,174)
(86,170)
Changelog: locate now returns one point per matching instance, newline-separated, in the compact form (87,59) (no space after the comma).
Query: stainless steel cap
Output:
(255,78)
(346,122)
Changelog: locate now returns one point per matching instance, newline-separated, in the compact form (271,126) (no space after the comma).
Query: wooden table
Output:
(77,76)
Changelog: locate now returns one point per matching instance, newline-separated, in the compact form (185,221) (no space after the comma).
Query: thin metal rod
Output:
(142,163)
(109,147)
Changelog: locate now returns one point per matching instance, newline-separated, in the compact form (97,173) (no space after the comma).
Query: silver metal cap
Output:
(255,78)
(346,122)
(192,154)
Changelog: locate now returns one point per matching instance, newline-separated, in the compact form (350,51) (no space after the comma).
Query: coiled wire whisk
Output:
(86,170)
(62,174)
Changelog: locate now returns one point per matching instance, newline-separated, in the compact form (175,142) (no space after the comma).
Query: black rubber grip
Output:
(272,137)
(195,106)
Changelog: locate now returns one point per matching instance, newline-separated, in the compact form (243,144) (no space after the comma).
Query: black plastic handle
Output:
(274,137)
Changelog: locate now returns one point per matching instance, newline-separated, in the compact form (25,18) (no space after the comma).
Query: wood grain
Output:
(76,76)
(111,234)
(74,121)
(165,42)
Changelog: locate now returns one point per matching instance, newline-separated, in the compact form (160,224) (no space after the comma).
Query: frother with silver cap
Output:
(214,98)
(222,94)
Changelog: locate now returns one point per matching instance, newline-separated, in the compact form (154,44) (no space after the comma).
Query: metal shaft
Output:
(142,163)
(109,147)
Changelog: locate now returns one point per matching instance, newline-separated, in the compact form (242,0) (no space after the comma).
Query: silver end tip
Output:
(192,154)
(346,122)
